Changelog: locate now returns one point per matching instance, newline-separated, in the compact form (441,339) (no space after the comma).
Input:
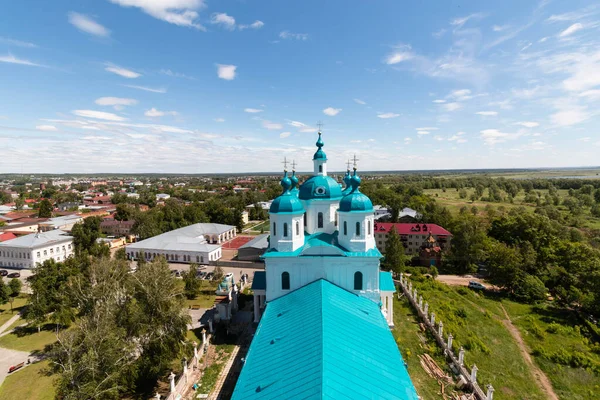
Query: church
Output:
(324,309)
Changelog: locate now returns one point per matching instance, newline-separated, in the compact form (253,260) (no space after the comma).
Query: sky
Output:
(205,86)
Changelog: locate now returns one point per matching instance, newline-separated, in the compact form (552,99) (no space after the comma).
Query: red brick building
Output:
(413,236)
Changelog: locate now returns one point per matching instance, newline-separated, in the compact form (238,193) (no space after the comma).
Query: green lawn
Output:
(29,339)
(18,304)
(557,331)
(212,372)
(29,383)
(263,225)
(206,299)
(476,324)
(409,338)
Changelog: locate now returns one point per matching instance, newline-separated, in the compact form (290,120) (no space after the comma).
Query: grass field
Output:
(29,383)
(558,331)
(29,339)
(18,304)
(476,324)
(262,226)
(206,299)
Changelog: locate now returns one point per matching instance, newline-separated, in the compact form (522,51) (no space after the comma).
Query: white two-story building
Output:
(26,251)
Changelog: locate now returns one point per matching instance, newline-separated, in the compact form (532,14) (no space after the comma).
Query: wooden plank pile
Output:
(433,370)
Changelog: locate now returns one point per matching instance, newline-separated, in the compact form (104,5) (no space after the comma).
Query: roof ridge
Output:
(322,373)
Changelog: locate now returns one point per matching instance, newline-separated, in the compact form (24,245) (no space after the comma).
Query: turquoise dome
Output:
(347,182)
(355,200)
(287,202)
(320,187)
(320,154)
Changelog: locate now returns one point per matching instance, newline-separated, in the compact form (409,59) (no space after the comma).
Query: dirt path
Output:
(541,378)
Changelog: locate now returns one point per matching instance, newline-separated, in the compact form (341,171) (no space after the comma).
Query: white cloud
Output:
(177,12)
(452,106)
(439,101)
(284,134)
(13,42)
(219,119)
(387,115)
(255,25)
(147,89)
(332,111)
(458,138)
(117,102)
(99,115)
(591,94)
(461,94)
(398,57)
(570,116)
(459,22)
(46,128)
(271,125)
(168,72)
(499,28)
(290,35)
(487,113)
(428,128)
(571,30)
(153,112)
(87,25)
(493,136)
(10,59)
(584,139)
(253,110)
(297,124)
(126,73)
(359,101)
(528,124)
(422,132)
(585,72)
(225,71)
(227,21)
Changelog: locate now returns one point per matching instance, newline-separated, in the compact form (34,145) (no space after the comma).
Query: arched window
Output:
(297,228)
(345,228)
(285,281)
(285,229)
(305,220)
(274,229)
(369,225)
(320,168)
(320,220)
(358,280)
(358,229)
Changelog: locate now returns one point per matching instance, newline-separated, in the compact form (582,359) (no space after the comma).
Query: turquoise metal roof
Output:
(356,201)
(259,281)
(324,240)
(320,187)
(320,154)
(286,203)
(323,342)
(386,282)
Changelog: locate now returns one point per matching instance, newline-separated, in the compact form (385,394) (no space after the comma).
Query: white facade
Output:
(356,231)
(27,251)
(287,232)
(321,210)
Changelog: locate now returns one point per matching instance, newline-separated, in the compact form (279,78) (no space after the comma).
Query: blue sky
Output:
(193,86)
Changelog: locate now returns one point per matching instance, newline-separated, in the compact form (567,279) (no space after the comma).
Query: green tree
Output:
(85,237)
(529,288)
(469,243)
(192,283)
(14,288)
(218,273)
(504,264)
(19,203)
(395,258)
(123,213)
(4,292)
(45,210)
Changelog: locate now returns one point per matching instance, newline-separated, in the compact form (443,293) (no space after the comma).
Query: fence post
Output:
(185,370)
(461,356)
(474,374)
(490,392)
(426,310)
(450,337)
(421,302)
(172,379)
(432,320)
(440,330)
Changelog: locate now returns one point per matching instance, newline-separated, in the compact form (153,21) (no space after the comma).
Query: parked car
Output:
(3,272)
(476,285)
(14,275)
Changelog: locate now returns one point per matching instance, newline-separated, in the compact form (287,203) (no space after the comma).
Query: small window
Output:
(320,168)
(358,229)
(285,229)
(369,226)
(320,220)
(297,228)
(274,229)
(358,280)
(285,281)
(305,220)
(345,228)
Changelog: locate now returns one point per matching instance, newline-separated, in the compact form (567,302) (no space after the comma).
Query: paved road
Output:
(9,358)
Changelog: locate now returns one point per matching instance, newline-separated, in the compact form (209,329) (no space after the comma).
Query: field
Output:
(6,314)
(479,323)
(29,383)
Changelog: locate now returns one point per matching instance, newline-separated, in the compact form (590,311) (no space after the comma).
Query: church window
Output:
(274,229)
(369,225)
(358,229)
(297,228)
(305,220)
(285,229)
(320,168)
(285,281)
(345,228)
(320,220)
(358,280)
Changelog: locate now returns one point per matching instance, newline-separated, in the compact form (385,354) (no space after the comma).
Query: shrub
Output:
(461,312)
(538,331)
(529,289)
(463,291)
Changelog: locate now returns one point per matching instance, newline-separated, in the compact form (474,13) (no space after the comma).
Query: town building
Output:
(413,236)
(112,227)
(254,249)
(162,197)
(27,251)
(226,300)
(64,223)
(324,306)
(198,243)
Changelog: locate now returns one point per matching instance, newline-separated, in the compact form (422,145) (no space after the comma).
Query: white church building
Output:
(324,307)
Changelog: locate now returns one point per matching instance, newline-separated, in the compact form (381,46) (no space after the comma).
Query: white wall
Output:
(328,208)
(22,257)
(337,270)
(201,257)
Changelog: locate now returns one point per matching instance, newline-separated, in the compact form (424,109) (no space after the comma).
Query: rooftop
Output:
(39,239)
(64,220)
(306,347)
(411,229)
(189,238)
(259,242)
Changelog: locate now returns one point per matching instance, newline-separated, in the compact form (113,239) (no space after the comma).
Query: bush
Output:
(461,313)
(529,289)
(538,331)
